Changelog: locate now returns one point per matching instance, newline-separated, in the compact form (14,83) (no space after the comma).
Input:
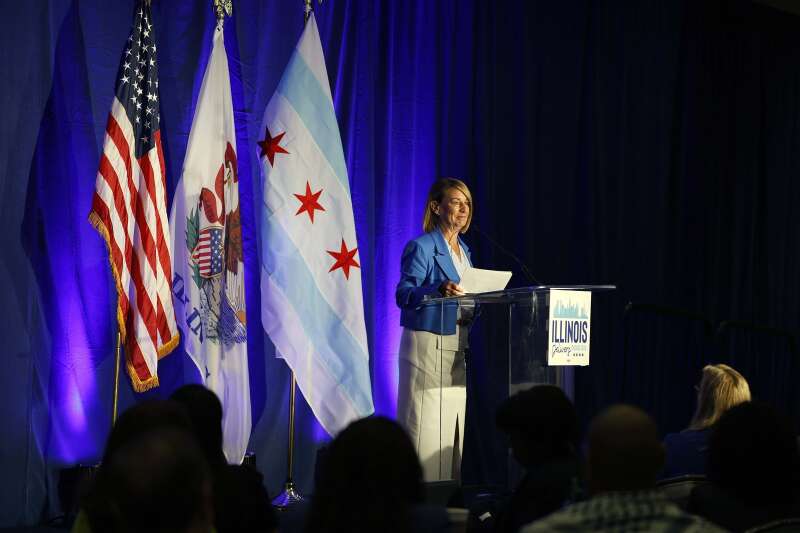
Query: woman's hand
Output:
(449,288)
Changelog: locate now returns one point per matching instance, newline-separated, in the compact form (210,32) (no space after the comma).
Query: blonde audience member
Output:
(721,387)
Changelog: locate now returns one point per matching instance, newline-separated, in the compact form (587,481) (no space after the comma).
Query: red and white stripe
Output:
(129,210)
(202,254)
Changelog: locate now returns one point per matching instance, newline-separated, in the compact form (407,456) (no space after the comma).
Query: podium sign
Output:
(570,321)
(548,332)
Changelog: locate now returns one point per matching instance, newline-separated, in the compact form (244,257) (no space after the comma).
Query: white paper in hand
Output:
(477,280)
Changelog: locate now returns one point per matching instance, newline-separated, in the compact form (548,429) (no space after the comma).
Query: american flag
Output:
(129,209)
(208,253)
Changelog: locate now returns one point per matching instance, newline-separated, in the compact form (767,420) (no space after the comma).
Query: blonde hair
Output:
(721,387)
(431,220)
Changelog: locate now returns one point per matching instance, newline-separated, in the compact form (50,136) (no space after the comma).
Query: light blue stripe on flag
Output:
(329,357)
(345,359)
(312,104)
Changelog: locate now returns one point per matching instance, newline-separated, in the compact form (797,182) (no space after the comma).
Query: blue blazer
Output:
(425,265)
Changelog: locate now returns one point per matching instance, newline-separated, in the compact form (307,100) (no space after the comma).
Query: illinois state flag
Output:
(311,303)
(207,246)
(129,209)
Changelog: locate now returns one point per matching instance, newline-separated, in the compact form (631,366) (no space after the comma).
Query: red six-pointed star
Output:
(308,202)
(344,260)
(271,146)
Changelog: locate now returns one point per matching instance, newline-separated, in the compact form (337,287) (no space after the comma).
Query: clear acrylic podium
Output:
(526,310)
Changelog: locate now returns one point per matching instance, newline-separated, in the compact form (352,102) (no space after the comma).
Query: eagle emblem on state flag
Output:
(214,241)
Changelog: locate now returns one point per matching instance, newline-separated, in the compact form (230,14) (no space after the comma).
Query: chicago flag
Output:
(207,246)
(311,303)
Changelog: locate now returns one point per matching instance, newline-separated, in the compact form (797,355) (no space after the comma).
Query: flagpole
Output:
(290,494)
(116,381)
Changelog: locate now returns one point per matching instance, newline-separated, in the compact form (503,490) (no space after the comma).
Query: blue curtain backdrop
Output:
(652,144)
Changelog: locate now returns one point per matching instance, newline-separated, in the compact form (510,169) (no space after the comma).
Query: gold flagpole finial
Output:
(223,8)
(309,8)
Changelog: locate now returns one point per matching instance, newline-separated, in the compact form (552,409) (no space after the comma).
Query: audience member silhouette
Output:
(205,413)
(241,503)
(721,387)
(753,467)
(542,427)
(101,512)
(371,481)
(142,418)
(159,482)
(624,458)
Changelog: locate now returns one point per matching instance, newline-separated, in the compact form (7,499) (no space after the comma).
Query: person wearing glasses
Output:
(721,387)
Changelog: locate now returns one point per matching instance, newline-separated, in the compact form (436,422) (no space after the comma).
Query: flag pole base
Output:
(288,497)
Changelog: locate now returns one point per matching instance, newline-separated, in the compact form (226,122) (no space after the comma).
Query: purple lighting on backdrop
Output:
(320,435)
(79,376)
(79,325)
(68,257)
(392,141)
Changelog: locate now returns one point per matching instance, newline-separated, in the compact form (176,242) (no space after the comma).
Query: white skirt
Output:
(431,403)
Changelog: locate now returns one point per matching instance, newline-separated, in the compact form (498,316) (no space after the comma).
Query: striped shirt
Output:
(623,512)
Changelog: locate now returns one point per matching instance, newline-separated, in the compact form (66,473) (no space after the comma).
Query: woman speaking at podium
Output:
(432,388)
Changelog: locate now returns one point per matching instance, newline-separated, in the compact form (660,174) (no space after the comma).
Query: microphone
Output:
(522,266)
